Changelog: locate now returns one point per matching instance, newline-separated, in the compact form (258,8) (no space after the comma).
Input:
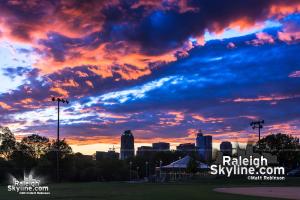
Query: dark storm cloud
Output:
(163,30)
(157,28)
(26,18)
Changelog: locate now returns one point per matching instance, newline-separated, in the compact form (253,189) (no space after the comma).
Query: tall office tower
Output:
(204,146)
(161,146)
(226,148)
(127,145)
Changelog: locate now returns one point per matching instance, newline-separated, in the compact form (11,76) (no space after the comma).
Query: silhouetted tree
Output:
(35,145)
(7,142)
(22,158)
(64,148)
(285,147)
(112,169)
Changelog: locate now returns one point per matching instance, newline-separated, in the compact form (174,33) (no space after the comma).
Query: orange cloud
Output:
(244,24)
(70,83)
(89,83)
(291,128)
(68,18)
(5,106)
(87,140)
(234,137)
(77,20)
(128,62)
(176,119)
(26,101)
(264,98)
(280,10)
(61,92)
(209,119)
(81,74)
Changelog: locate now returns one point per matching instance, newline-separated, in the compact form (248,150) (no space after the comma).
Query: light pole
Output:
(147,168)
(130,165)
(180,172)
(160,163)
(257,124)
(137,170)
(58,144)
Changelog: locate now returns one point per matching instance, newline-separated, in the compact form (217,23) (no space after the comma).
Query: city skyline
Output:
(163,70)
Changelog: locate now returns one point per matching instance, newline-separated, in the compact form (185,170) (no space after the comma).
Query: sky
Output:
(163,69)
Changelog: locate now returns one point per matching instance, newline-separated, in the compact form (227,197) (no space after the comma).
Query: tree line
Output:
(38,153)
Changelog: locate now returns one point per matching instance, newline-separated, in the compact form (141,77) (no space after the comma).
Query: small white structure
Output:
(183,164)
(177,170)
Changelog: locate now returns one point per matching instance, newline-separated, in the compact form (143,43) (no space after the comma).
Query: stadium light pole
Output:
(160,163)
(259,125)
(130,165)
(58,144)
(147,168)
(137,170)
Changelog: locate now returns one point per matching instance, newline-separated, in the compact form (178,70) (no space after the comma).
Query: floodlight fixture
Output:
(58,141)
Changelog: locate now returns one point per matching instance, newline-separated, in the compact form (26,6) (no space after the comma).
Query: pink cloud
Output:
(231,45)
(262,38)
(295,74)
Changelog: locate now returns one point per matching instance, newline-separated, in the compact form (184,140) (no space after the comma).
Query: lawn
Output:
(135,191)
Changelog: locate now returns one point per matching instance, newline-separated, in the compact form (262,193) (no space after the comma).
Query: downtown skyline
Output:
(163,69)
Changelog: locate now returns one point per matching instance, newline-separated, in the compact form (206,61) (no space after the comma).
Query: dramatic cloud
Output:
(126,37)
(161,68)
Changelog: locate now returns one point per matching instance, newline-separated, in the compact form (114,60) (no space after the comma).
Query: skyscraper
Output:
(204,146)
(226,148)
(161,146)
(127,145)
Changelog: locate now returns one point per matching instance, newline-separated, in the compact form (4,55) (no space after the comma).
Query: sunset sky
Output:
(163,69)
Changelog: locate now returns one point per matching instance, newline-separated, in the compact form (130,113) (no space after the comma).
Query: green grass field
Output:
(137,191)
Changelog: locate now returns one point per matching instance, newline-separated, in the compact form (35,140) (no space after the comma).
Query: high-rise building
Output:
(144,151)
(204,146)
(226,148)
(100,155)
(186,148)
(127,145)
(111,154)
(161,146)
